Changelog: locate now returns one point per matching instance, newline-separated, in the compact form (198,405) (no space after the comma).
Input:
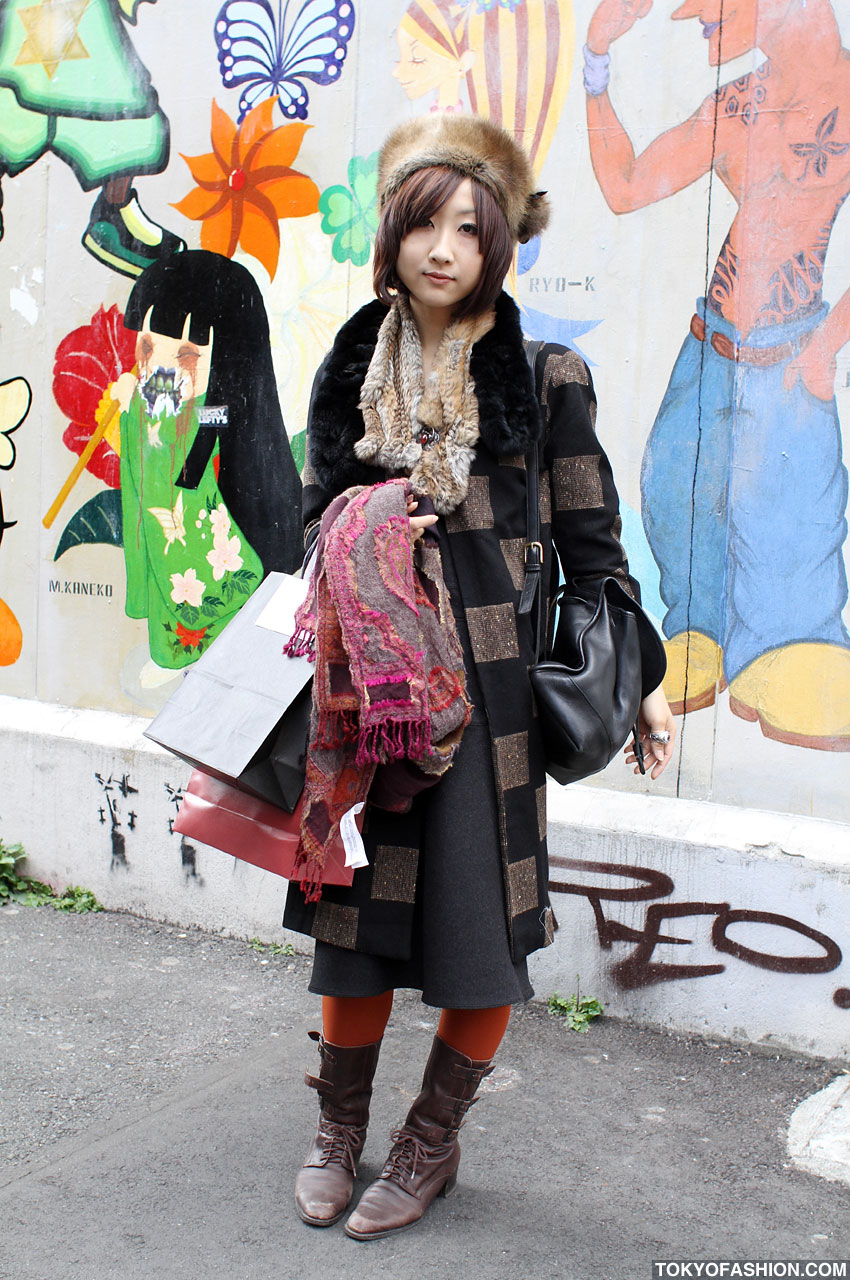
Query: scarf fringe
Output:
(335,729)
(311,876)
(302,644)
(392,740)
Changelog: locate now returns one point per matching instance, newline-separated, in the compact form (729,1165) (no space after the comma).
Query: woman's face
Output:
(440,263)
(172,371)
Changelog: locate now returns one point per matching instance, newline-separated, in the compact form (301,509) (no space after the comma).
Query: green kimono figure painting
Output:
(72,83)
(189,566)
(210,496)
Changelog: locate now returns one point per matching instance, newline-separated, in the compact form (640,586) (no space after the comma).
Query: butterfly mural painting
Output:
(270,48)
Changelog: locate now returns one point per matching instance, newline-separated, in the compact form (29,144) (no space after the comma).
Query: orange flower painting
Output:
(246,184)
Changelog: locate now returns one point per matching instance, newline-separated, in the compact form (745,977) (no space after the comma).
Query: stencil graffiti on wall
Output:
(641,969)
(743,484)
(188,852)
(116,810)
(15,401)
(71,83)
(174,407)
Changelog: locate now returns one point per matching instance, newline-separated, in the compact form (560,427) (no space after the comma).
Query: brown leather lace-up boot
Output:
(423,1161)
(325,1182)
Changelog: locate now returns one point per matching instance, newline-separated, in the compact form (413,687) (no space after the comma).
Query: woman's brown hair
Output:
(413,204)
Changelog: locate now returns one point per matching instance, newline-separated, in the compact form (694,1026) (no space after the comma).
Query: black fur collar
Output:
(508,414)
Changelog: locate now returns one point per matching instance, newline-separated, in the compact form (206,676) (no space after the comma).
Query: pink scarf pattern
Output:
(389,682)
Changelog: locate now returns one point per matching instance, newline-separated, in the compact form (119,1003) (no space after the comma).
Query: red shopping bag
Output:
(251,829)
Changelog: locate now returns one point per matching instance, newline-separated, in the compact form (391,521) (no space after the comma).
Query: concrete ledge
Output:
(819,1133)
(704,918)
(661,820)
(92,802)
(688,915)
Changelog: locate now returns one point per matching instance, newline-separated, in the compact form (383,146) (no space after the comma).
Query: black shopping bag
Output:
(242,711)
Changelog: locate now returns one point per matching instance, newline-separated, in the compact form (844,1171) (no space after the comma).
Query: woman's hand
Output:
(654,717)
(417,523)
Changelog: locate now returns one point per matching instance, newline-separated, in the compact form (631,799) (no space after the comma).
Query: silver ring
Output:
(664,736)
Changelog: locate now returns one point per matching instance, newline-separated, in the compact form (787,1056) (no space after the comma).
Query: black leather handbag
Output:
(596,656)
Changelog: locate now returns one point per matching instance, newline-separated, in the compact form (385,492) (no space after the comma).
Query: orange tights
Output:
(352,1021)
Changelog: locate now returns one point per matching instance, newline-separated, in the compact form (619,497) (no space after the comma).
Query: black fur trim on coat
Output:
(508,414)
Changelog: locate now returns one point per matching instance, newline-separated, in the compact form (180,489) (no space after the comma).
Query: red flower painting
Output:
(189,639)
(87,361)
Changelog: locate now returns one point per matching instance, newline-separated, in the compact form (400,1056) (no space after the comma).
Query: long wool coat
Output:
(579,511)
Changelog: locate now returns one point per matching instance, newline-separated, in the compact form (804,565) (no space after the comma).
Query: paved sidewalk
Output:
(152,1119)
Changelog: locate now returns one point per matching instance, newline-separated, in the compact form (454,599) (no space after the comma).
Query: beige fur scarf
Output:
(424,430)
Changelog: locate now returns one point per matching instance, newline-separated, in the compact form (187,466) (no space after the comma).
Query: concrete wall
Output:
(724,922)
(734,513)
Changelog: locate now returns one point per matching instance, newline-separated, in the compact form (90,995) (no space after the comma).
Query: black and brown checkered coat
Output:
(579,511)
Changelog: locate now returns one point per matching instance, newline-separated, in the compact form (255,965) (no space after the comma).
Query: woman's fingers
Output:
(422,522)
(656,755)
(418,523)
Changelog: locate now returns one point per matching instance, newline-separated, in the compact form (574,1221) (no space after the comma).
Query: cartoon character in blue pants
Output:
(744,487)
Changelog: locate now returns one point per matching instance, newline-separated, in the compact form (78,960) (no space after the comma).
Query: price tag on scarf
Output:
(355,850)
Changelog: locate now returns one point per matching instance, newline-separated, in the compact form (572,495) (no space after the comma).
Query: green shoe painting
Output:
(124,238)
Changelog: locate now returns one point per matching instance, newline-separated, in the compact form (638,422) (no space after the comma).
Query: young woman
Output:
(431,381)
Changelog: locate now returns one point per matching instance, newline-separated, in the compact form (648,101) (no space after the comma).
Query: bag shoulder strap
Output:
(531,588)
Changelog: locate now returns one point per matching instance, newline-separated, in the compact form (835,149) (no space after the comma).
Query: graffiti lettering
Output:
(655,885)
(558,284)
(67,588)
(830,959)
(639,969)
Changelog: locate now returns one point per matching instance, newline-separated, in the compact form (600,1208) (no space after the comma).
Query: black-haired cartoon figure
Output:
(211,499)
(72,83)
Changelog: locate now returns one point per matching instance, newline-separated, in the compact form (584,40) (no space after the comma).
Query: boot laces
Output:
(406,1154)
(337,1144)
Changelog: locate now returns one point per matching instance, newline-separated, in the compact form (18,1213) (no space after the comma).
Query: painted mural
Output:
(203,494)
(743,484)
(232,157)
(15,401)
(72,84)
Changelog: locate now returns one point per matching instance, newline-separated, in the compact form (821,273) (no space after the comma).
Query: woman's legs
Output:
(355,1020)
(477,1033)
(460,1057)
(425,1154)
(348,1048)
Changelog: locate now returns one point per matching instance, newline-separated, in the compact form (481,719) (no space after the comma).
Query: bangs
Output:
(420,197)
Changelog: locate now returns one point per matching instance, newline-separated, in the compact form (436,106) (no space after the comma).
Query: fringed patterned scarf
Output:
(427,430)
(389,681)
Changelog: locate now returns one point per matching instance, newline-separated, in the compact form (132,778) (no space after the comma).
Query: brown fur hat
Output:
(478,149)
